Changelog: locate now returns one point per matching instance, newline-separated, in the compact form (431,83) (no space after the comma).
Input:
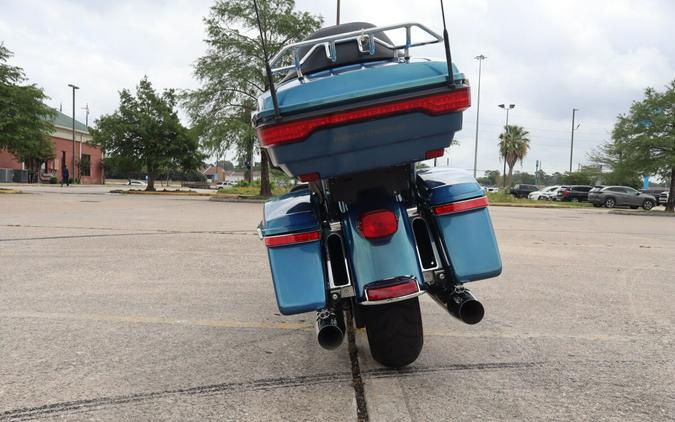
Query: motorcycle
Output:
(366,230)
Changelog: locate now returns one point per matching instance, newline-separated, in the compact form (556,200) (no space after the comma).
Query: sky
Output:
(543,56)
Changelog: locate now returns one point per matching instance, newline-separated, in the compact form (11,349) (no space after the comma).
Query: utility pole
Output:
(507,108)
(480,59)
(574,111)
(72,168)
(86,115)
(338,13)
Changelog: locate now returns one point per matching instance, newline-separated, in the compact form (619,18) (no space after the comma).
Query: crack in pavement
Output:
(357,381)
(89,405)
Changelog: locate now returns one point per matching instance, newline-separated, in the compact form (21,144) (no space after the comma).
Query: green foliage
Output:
(513,147)
(145,133)
(643,140)
(231,73)
(25,121)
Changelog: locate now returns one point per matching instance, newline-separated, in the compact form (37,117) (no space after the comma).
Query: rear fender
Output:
(377,261)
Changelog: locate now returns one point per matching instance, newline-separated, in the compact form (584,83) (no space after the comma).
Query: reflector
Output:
(461,206)
(392,291)
(291,239)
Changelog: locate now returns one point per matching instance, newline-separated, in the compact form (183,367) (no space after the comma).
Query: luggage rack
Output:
(365,39)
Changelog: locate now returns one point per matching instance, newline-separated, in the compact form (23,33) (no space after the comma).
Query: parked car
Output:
(543,194)
(617,196)
(491,189)
(522,190)
(134,182)
(663,198)
(574,193)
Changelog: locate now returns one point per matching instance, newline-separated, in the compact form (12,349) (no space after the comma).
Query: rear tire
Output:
(394,332)
(647,205)
(610,202)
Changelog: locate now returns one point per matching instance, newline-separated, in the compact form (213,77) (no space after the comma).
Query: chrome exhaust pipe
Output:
(330,328)
(461,304)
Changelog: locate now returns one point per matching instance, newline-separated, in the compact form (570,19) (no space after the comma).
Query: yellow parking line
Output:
(213,323)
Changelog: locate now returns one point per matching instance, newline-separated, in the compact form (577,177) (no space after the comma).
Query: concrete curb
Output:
(221,198)
(643,213)
(548,206)
(177,193)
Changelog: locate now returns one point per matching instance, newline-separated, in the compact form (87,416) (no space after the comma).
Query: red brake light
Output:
(311,177)
(274,134)
(434,153)
(377,224)
(393,291)
(291,239)
(461,206)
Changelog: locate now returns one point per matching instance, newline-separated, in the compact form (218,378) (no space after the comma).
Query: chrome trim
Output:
(437,257)
(412,212)
(259,230)
(331,281)
(362,36)
(394,299)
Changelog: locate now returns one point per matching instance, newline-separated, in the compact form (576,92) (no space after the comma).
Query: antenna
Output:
(268,70)
(446,43)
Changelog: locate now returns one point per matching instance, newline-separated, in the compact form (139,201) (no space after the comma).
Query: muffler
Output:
(461,304)
(330,328)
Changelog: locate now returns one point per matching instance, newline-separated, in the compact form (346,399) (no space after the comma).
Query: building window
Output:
(85,165)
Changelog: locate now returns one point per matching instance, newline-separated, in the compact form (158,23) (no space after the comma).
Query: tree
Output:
(146,132)
(513,146)
(643,140)
(232,72)
(25,121)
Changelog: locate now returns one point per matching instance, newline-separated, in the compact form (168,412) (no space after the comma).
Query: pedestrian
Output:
(65,176)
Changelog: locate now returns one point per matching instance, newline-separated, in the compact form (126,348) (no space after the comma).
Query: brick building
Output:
(88,158)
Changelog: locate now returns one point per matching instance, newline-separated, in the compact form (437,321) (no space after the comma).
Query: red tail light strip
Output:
(457,100)
(392,292)
(461,206)
(292,239)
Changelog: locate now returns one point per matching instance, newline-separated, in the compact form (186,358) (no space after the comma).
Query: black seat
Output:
(346,53)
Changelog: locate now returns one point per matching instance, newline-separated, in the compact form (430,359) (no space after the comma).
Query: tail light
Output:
(447,102)
(462,206)
(292,239)
(434,153)
(378,224)
(392,291)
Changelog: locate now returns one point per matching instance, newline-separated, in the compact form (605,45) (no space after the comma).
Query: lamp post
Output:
(480,59)
(338,13)
(507,108)
(574,112)
(72,168)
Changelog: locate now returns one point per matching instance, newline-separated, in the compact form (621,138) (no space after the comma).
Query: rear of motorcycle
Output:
(367,230)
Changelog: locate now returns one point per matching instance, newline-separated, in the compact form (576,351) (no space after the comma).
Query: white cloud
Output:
(546,57)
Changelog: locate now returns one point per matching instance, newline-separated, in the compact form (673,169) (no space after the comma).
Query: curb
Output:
(643,213)
(516,205)
(175,193)
(221,198)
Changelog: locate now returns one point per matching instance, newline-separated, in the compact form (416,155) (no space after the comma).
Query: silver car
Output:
(618,196)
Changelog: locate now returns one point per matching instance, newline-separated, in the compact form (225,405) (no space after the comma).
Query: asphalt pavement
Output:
(121,307)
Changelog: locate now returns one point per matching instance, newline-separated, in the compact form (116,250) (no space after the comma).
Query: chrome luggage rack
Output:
(365,39)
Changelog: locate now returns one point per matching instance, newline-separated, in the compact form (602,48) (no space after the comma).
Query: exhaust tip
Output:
(330,337)
(471,312)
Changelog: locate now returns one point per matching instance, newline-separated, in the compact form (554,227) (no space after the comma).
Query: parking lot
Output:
(126,307)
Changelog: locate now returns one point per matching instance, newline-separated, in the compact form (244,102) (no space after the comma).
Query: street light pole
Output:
(574,111)
(507,108)
(72,168)
(338,13)
(480,59)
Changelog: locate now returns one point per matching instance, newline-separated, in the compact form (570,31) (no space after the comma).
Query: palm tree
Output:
(513,146)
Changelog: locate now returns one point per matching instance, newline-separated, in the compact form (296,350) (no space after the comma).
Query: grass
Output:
(505,198)
(253,191)
(5,190)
